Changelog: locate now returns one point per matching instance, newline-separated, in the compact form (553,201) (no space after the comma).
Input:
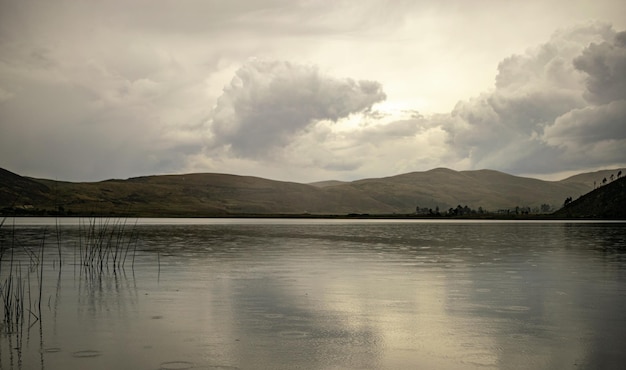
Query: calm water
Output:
(297,294)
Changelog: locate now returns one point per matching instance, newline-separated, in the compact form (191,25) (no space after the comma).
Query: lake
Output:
(312,294)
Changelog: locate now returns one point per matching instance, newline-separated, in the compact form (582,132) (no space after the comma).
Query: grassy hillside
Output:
(605,202)
(208,194)
(596,178)
(16,190)
(445,188)
(198,195)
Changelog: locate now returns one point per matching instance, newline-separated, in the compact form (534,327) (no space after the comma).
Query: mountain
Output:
(444,188)
(605,202)
(210,194)
(189,195)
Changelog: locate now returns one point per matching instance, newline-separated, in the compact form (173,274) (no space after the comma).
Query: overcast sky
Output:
(311,90)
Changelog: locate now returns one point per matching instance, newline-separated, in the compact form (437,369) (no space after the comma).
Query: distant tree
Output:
(604,181)
(619,174)
(545,208)
(568,200)
(612,177)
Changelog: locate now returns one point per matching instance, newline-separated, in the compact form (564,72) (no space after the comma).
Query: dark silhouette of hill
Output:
(18,190)
(605,202)
(210,194)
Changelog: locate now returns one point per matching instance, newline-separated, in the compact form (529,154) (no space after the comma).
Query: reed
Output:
(105,243)
(16,289)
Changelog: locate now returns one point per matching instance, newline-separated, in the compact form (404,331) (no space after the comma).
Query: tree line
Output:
(604,180)
(465,211)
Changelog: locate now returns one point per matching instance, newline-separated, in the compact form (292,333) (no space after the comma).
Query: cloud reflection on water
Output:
(375,295)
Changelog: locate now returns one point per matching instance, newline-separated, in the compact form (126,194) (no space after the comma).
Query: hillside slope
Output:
(18,190)
(204,195)
(606,202)
(445,188)
(209,194)
(596,178)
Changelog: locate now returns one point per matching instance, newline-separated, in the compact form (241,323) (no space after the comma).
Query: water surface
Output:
(320,294)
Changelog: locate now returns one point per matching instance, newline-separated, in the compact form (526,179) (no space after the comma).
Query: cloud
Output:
(547,104)
(589,125)
(87,119)
(5,95)
(605,66)
(268,103)
(139,89)
(548,112)
(596,133)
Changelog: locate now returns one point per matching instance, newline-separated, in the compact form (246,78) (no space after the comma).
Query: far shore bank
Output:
(353,216)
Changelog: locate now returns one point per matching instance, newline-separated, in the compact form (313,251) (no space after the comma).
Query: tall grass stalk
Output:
(16,289)
(43,242)
(15,293)
(58,231)
(105,244)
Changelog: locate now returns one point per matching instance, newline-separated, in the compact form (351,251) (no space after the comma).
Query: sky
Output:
(303,90)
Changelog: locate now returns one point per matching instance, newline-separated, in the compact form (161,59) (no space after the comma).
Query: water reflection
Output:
(335,295)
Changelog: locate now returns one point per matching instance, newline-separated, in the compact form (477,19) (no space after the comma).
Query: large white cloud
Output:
(269,102)
(543,110)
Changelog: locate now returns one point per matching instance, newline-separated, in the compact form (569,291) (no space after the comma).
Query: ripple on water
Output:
(51,350)
(87,353)
(514,309)
(293,334)
(176,365)
(274,315)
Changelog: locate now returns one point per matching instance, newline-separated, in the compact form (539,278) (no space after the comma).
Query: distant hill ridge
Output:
(212,194)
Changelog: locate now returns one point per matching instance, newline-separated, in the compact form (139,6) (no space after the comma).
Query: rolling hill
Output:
(210,194)
(605,202)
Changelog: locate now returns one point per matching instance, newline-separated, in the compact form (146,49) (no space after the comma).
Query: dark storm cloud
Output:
(590,125)
(596,132)
(605,66)
(269,102)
